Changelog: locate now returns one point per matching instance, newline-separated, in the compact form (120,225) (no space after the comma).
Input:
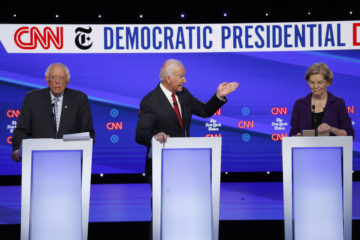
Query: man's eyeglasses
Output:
(59,78)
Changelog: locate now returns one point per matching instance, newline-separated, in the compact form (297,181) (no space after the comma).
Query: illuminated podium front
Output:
(317,178)
(186,188)
(55,189)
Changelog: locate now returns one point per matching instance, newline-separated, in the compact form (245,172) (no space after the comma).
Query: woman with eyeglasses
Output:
(320,110)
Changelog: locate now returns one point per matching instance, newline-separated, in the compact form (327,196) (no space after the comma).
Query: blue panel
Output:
(186,209)
(317,194)
(55,203)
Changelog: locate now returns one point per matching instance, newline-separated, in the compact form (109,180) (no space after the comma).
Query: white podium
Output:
(317,178)
(55,189)
(186,188)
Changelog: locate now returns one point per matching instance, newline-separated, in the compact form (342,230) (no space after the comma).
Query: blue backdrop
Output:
(270,82)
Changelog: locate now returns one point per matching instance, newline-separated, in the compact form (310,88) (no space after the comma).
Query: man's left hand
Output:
(225,88)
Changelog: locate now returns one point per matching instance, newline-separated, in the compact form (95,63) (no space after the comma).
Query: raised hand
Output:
(225,88)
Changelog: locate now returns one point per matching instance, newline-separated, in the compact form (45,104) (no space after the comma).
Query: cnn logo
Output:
(28,38)
(12,113)
(114,126)
(279,111)
(278,136)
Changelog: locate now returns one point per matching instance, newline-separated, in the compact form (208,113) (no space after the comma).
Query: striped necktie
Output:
(56,112)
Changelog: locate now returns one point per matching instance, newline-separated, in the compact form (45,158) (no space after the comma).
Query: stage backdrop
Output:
(116,65)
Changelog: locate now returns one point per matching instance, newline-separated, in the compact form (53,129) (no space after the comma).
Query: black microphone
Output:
(313,113)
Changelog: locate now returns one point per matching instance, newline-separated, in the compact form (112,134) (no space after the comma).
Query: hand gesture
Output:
(226,88)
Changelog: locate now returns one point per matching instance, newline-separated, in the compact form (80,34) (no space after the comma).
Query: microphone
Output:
(313,113)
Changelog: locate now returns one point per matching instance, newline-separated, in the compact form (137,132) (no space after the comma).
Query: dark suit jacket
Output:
(157,115)
(37,120)
(335,115)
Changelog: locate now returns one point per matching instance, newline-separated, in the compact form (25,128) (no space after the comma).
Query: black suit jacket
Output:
(157,115)
(37,119)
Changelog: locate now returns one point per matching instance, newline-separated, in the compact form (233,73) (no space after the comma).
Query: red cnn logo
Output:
(213,135)
(12,113)
(218,112)
(278,137)
(34,36)
(246,124)
(279,110)
(351,109)
(114,126)
(9,139)
(356,41)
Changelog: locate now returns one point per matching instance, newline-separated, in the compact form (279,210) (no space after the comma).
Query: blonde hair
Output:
(320,68)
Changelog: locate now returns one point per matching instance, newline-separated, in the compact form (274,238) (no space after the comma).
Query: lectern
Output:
(317,178)
(55,189)
(186,188)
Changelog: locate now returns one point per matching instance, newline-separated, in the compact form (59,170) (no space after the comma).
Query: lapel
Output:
(166,105)
(64,109)
(308,111)
(49,108)
(330,99)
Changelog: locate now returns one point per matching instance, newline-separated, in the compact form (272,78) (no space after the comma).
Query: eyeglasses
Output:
(54,78)
(319,83)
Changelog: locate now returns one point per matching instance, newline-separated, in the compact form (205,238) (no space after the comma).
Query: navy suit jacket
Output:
(335,115)
(157,115)
(37,119)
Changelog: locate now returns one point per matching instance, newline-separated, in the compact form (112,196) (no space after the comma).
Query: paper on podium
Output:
(76,136)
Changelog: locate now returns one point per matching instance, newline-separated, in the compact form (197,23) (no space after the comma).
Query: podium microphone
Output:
(313,113)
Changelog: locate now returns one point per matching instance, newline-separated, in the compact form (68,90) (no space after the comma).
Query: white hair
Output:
(57,64)
(168,68)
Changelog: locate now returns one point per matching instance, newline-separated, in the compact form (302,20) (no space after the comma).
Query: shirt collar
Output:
(166,91)
(60,97)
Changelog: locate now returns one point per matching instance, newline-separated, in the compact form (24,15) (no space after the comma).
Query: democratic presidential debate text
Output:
(242,36)
(152,38)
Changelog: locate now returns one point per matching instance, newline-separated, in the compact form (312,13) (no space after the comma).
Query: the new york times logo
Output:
(82,39)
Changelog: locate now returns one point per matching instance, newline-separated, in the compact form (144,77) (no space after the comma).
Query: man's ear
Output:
(167,79)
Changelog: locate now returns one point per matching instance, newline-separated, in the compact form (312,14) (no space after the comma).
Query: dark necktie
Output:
(176,108)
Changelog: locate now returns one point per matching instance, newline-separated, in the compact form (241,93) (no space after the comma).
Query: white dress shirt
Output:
(169,97)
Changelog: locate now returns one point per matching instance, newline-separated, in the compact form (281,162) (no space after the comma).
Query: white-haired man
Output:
(167,110)
(54,111)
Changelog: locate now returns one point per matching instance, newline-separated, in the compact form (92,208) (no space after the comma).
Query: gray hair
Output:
(167,68)
(57,64)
